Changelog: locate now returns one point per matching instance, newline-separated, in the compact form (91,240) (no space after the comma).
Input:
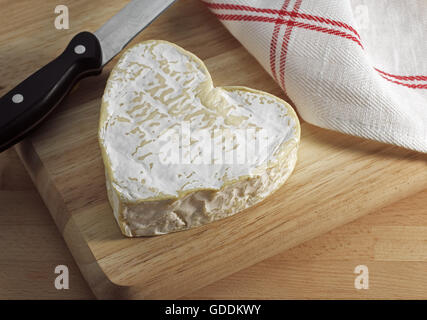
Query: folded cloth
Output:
(353,66)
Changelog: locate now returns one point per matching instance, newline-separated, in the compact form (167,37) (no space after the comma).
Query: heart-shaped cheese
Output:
(181,153)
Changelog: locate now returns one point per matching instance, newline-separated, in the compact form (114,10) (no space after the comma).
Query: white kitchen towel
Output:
(355,66)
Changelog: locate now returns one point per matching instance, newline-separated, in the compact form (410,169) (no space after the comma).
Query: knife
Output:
(24,107)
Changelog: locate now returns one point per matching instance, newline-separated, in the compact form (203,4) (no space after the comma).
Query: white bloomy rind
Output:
(156,90)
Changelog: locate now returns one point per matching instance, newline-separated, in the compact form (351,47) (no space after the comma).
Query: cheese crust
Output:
(179,152)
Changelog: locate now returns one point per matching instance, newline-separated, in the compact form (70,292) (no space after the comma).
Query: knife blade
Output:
(116,33)
(24,107)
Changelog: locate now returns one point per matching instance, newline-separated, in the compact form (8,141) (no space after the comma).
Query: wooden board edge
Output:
(100,284)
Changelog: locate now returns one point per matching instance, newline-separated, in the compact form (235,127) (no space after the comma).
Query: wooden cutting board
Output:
(337,179)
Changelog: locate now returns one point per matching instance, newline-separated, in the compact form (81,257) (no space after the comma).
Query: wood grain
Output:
(319,268)
(338,178)
(30,243)
(323,268)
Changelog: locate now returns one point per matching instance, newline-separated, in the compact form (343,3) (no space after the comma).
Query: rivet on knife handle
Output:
(25,106)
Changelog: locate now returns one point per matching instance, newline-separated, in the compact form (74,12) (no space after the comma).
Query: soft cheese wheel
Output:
(181,153)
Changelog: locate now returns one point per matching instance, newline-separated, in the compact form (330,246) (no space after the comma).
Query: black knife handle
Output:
(25,106)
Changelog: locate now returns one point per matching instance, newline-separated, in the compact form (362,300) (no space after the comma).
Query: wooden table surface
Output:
(391,242)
